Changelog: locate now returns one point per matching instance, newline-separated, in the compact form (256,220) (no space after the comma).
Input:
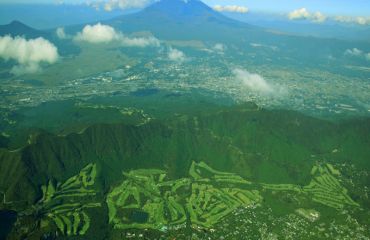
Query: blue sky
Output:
(335,7)
(331,7)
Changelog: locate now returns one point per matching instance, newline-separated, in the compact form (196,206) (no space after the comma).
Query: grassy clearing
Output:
(207,196)
(151,191)
(326,189)
(65,203)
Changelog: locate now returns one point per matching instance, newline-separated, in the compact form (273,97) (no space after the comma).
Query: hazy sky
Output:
(334,7)
(337,7)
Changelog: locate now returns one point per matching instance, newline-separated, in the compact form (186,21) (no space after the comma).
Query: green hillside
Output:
(244,140)
(240,140)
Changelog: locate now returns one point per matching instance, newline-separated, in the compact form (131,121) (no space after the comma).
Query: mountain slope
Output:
(16,28)
(47,16)
(185,11)
(185,20)
(245,141)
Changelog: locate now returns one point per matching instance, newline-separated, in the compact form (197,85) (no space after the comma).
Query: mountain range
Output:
(51,16)
(243,140)
(188,20)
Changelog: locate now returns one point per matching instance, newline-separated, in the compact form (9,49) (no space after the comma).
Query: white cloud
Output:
(256,45)
(96,5)
(219,47)
(353,52)
(259,45)
(176,55)
(99,33)
(140,41)
(363,20)
(253,82)
(231,8)
(28,53)
(319,17)
(303,13)
(125,4)
(61,33)
(353,20)
(368,56)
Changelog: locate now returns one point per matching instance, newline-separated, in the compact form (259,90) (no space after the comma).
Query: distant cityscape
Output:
(315,93)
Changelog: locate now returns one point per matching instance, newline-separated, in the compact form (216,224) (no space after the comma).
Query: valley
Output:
(173,120)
